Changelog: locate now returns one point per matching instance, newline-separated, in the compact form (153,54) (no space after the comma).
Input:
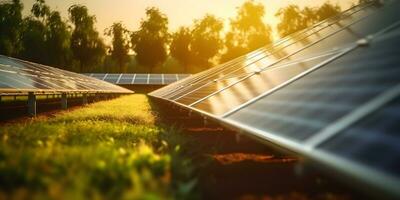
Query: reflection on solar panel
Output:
(18,76)
(330,92)
(139,79)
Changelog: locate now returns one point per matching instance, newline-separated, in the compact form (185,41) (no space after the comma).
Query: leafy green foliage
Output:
(248,31)
(10,23)
(294,19)
(107,150)
(33,40)
(58,41)
(197,45)
(206,42)
(150,41)
(86,45)
(120,44)
(180,47)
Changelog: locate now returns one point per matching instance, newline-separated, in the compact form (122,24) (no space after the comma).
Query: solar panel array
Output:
(139,79)
(330,92)
(19,76)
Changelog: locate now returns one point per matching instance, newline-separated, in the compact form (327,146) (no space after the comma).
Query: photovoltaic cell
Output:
(139,79)
(23,76)
(155,79)
(304,107)
(126,79)
(373,141)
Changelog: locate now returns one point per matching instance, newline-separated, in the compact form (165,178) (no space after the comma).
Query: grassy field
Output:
(108,150)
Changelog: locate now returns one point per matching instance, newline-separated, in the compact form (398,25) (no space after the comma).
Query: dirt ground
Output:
(232,167)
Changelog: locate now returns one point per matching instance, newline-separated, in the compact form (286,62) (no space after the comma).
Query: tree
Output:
(150,41)
(248,31)
(291,20)
(327,10)
(310,16)
(120,44)
(10,26)
(180,47)
(45,37)
(294,19)
(40,10)
(33,41)
(34,32)
(86,45)
(58,41)
(206,42)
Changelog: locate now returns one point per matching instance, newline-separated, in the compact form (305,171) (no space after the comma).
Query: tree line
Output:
(75,44)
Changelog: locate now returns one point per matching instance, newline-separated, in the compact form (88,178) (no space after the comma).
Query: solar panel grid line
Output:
(23,83)
(199,87)
(297,61)
(224,66)
(351,118)
(133,79)
(105,76)
(291,36)
(210,82)
(165,88)
(205,74)
(195,79)
(387,185)
(349,49)
(278,61)
(119,78)
(385,30)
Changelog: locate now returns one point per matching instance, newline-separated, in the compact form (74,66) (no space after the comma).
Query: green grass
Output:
(107,150)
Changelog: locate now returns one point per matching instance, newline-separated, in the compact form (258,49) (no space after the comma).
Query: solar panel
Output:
(366,140)
(242,63)
(126,79)
(240,86)
(23,76)
(327,94)
(112,78)
(139,79)
(330,93)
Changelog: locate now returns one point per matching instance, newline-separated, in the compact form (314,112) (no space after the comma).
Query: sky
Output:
(179,12)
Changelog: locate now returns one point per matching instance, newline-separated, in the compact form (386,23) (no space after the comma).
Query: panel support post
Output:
(84,99)
(31,104)
(205,122)
(64,102)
